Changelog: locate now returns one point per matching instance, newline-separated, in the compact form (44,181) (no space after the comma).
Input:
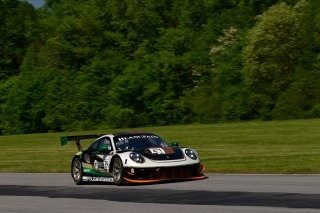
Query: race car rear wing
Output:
(64,139)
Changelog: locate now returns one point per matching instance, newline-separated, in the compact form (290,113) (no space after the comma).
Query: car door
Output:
(101,154)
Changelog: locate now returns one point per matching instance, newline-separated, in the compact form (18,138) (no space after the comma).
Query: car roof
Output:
(131,133)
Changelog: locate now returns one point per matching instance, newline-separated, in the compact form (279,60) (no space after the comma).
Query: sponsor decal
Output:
(106,163)
(160,151)
(93,172)
(86,170)
(137,137)
(97,179)
(157,151)
(168,150)
(98,165)
(103,165)
(125,140)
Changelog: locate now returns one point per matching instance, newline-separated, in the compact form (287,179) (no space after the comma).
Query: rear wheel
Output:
(117,171)
(76,171)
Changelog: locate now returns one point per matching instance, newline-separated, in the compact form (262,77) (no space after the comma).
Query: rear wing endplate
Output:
(64,139)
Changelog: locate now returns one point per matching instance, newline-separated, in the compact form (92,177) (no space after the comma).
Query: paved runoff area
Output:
(57,193)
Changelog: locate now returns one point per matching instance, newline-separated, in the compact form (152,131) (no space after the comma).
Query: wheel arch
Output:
(74,157)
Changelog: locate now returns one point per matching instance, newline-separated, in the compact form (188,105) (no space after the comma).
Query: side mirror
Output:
(175,144)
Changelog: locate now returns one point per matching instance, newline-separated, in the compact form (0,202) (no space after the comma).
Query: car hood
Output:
(162,153)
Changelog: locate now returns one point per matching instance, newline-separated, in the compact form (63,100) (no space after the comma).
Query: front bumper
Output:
(145,175)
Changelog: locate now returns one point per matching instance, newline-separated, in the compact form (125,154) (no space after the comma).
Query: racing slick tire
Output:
(77,171)
(117,171)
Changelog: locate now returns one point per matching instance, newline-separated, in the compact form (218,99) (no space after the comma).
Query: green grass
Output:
(246,147)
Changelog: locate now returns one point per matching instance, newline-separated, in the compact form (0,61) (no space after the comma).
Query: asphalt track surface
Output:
(56,193)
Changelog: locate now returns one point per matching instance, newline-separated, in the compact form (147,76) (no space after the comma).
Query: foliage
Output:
(17,20)
(90,64)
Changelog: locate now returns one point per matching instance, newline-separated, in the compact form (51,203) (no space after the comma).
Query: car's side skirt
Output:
(160,180)
(97,179)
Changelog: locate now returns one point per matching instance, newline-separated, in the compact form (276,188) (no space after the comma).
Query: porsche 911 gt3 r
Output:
(132,158)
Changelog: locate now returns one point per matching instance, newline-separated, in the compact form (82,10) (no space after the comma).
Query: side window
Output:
(94,146)
(105,142)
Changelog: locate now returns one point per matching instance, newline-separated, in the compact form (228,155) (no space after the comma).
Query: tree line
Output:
(93,64)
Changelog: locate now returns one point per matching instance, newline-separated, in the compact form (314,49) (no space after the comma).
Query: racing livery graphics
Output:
(132,158)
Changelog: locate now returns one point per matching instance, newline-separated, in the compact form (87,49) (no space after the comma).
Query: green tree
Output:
(80,64)
(270,57)
(17,31)
(301,99)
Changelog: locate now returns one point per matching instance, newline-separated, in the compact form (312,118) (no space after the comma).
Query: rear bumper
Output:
(149,175)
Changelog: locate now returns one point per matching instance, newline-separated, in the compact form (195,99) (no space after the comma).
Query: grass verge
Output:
(247,147)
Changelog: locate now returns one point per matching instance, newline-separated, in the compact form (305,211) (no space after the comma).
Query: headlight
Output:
(191,154)
(136,157)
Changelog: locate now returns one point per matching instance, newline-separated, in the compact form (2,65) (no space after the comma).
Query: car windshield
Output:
(138,142)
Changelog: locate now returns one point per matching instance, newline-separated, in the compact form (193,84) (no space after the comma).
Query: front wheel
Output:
(117,171)
(76,171)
